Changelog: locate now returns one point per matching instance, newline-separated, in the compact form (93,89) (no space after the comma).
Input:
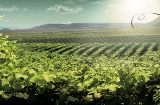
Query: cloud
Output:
(8,9)
(81,0)
(1,17)
(96,2)
(74,1)
(99,1)
(112,5)
(65,10)
(25,9)
(9,20)
(11,9)
(107,11)
(67,23)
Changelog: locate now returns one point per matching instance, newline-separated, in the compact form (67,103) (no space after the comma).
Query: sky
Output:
(30,13)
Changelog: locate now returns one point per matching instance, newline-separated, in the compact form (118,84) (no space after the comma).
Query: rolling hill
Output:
(82,26)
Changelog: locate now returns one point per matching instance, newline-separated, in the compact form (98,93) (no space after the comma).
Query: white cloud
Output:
(64,10)
(11,9)
(107,11)
(1,17)
(113,5)
(9,20)
(99,1)
(81,0)
(73,1)
(67,23)
(25,9)
(8,9)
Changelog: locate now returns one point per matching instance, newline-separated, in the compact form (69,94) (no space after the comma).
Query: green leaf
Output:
(33,79)
(1,92)
(99,89)
(22,95)
(38,91)
(97,95)
(88,83)
(57,79)
(17,86)
(46,76)
(10,65)
(7,88)
(42,81)
(111,87)
(121,73)
(72,99)
(31,71)
(50,86)
(17,75)
(6,96)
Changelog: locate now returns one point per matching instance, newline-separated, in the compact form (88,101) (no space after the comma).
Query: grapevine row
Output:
(97,49)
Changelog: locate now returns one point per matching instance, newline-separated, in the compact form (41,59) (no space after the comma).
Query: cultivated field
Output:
(82,67)
(86,36)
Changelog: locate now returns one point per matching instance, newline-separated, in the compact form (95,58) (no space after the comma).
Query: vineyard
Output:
(94,49)
(95,39)
(80,70)
(87,36)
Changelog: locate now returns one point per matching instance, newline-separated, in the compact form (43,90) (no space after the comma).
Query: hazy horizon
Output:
(29,13)
(13,28)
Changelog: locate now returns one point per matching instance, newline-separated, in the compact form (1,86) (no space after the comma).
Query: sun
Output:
(136,6)
(132,7)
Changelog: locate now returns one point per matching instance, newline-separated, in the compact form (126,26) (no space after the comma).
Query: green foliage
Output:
(62,79)
(7,49)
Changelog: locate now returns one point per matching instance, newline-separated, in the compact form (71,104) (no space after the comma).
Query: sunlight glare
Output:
(132,7)
(135,6)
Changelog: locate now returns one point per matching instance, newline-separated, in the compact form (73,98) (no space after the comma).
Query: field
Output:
(109,67)
(86,36)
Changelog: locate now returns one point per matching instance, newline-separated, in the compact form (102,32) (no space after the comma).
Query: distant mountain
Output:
(5,29)
(154,23)
(82,26)
(73,26)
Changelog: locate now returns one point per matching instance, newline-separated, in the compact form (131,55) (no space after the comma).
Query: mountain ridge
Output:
(83,26)
(86,26)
